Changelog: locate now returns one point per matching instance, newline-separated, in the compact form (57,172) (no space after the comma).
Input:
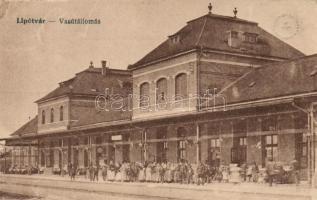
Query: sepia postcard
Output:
(158,99)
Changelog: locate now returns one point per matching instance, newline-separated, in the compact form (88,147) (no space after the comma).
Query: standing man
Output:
(69,168)
(96,173)
(270,170)
(91,172)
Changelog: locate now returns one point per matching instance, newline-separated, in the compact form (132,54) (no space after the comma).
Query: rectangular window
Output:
(215,143)
(243,141)
(270,147)
(214,152)
(165,145)
(250,38)
(234,34)
(181,149)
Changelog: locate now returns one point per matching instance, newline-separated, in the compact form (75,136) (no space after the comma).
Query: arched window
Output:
(61,113)
(144,94)
(52,115)
(181,86)
(43,117)
(161,90)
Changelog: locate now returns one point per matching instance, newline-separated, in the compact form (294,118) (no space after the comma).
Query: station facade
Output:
(220,90)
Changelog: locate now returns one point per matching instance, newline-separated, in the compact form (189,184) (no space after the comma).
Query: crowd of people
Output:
(184,173)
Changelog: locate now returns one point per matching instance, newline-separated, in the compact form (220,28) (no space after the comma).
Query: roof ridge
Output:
(225,17)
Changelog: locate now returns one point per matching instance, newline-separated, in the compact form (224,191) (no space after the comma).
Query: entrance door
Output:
(111,154)
(126,153)
(86,161)
(42,159)
(214,152)
(239,150)
(161,146)
(75,157)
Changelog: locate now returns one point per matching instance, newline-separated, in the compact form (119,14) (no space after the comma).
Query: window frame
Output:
(181,149)
(161,93)
(272,146)
(142,102)
(178,80)
(243,141)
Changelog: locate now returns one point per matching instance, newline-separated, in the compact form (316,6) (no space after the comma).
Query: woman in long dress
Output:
(141,176)
(168,173)
(118,176)
(148,174)
(111,172)
(123,170)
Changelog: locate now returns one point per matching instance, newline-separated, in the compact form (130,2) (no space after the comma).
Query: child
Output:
(225,174)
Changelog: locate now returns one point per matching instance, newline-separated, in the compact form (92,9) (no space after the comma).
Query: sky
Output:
(35,58)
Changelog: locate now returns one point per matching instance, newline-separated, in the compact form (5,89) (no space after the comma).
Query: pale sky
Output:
(35,58)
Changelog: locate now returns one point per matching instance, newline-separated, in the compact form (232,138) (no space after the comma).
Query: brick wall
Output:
(169,70)
(56,125)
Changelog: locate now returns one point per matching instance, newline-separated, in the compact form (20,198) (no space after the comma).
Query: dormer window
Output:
(250,37)
(233,38)
(234,34)
(175,39)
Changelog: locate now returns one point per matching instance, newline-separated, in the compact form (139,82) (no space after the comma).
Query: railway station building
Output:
(220,90)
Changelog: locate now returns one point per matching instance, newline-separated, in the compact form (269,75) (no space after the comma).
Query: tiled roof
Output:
(28,128)
(275,80)
(210,32)
(89,82)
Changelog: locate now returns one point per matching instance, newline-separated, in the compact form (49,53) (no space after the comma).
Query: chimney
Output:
(91,65)
(104,67)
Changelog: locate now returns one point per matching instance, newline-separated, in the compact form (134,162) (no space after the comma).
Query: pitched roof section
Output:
(210,32)
(275,80)
(29,128)
(89,82)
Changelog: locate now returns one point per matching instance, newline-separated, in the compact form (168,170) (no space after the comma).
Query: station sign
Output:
(116,137)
